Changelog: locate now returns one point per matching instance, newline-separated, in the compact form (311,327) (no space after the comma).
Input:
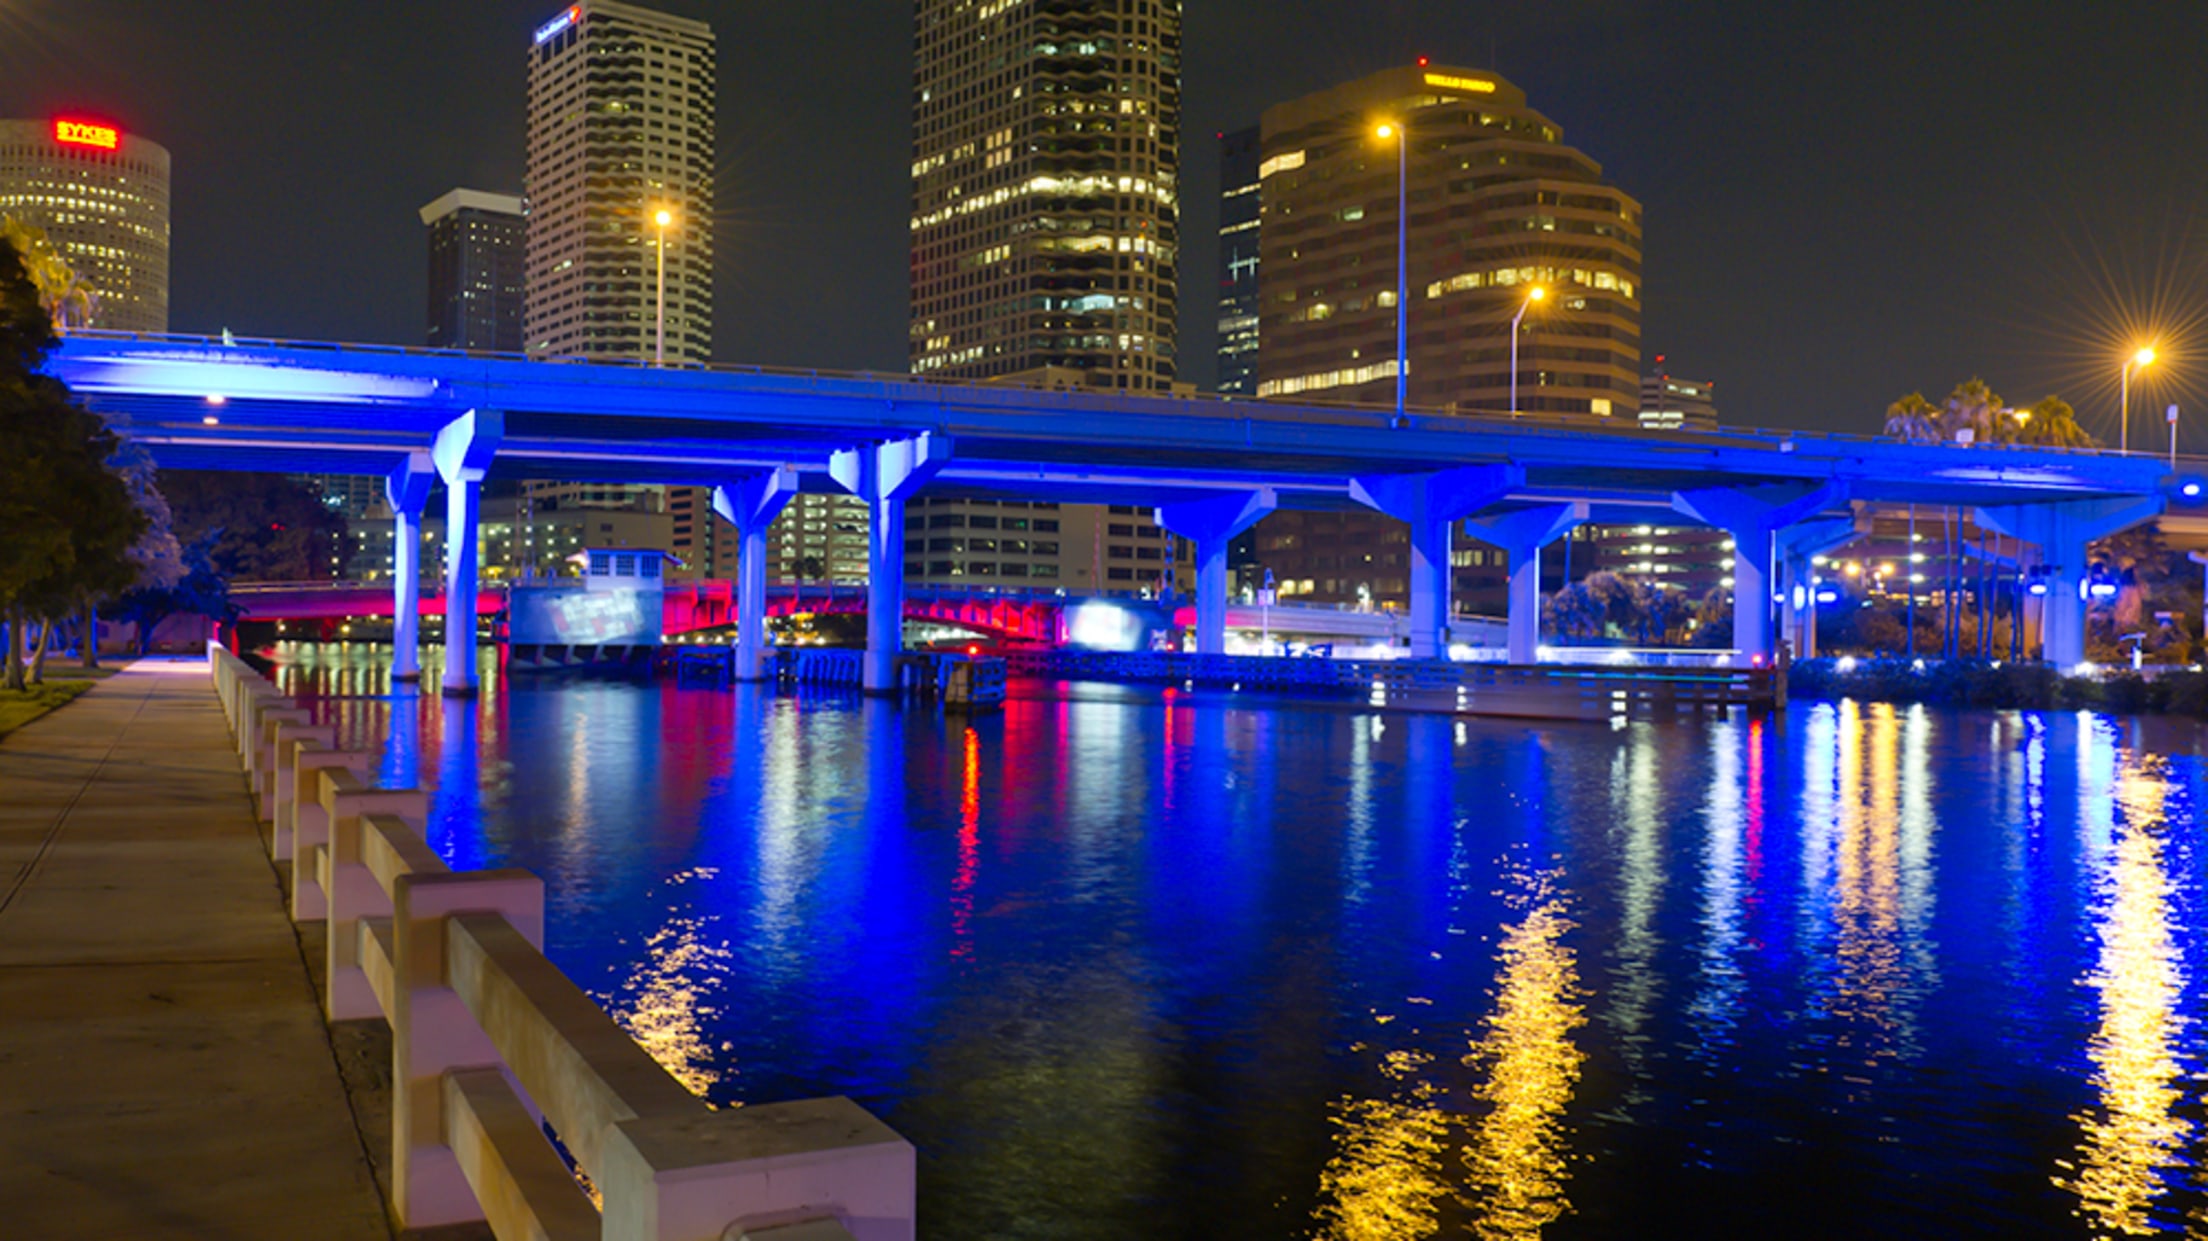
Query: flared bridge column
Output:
(1797,546)
(463,452)
(885,476)
(1754,516)
(1211,523)
(407,488)
(2061,531)
(1520,534)
(751,505)
(1432,504)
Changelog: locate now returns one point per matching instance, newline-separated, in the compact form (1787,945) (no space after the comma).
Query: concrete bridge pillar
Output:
(1431,504)
(1754,516)
(751,505)
(885,476)
(462,453)
(1212,523)
(408,490)
(1520,534)
(1797,546)
(2061,532)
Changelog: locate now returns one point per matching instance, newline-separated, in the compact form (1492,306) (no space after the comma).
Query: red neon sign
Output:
(87,134)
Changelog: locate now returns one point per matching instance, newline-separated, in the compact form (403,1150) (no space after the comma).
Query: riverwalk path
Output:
(164,1067)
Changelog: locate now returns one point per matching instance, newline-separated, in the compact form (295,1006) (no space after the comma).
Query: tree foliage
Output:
(67,300)
(257,527)
(1977,408)
(70,521)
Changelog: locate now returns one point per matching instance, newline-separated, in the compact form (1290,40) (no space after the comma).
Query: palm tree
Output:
(2052,424)
(1972,407)
(66,298)
(1913,419)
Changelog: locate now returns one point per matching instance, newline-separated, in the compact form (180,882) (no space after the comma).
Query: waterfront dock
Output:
(164,1067)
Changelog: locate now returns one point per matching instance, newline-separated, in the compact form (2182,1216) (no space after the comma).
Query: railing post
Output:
(310,824)
(284,776)
(349,890)
(433,1033)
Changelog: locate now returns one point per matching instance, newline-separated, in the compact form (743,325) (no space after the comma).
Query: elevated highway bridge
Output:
(1210,466)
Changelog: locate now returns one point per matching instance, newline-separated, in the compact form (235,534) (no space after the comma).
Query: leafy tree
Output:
(103,522)
(68,301)
(2051,423)
(197,588)
(33,441)
(265,527)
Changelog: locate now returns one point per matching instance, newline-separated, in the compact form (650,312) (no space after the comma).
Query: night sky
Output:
(1844,202)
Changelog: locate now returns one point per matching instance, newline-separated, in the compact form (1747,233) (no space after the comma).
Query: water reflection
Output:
(1518,1155)
(2133,1138)
(1123,963)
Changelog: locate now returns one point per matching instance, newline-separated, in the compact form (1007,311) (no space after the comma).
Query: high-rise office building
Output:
(102,197)
(477,255)
(621,131)
(1498,206)
(1238,260)
(1045,245)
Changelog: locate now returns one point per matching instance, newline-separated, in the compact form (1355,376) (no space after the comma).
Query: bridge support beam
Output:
(1212,523)
(885,476)
(1754,516)
(1797,546)
(1432,504)
(2061,532)
(407,489)
(462,453)
(1520,534)
(751,505)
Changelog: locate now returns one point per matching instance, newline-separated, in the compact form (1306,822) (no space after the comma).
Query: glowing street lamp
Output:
(663,218)
(2145,357)
(1401,135)
(1534,294)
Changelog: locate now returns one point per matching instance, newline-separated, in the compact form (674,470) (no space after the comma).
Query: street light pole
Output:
(1534,294)
(2123,415)
(659,315)
(2172,415)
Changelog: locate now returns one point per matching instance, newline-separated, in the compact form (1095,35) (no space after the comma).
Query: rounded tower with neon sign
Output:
(101,194)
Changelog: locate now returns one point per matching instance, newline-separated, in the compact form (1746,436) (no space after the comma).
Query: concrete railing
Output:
(493,1047)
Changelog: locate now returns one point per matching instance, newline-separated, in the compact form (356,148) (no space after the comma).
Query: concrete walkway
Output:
(164,1069)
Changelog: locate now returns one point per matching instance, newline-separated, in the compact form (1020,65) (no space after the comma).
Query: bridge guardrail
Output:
(453,961)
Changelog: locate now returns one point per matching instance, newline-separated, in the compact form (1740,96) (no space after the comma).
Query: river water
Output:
(1141,963)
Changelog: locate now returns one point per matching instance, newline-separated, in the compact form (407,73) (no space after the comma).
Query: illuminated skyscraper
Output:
(1045,188)
(102,196)
(1499,205)
(620,128)
(1045,249)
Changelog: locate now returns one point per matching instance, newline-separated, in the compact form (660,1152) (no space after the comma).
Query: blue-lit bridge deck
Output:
(1211,466)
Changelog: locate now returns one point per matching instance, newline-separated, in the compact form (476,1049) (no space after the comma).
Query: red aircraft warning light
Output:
(87,134)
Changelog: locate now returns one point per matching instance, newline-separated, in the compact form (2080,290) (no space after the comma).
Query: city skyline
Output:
(1737,133)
